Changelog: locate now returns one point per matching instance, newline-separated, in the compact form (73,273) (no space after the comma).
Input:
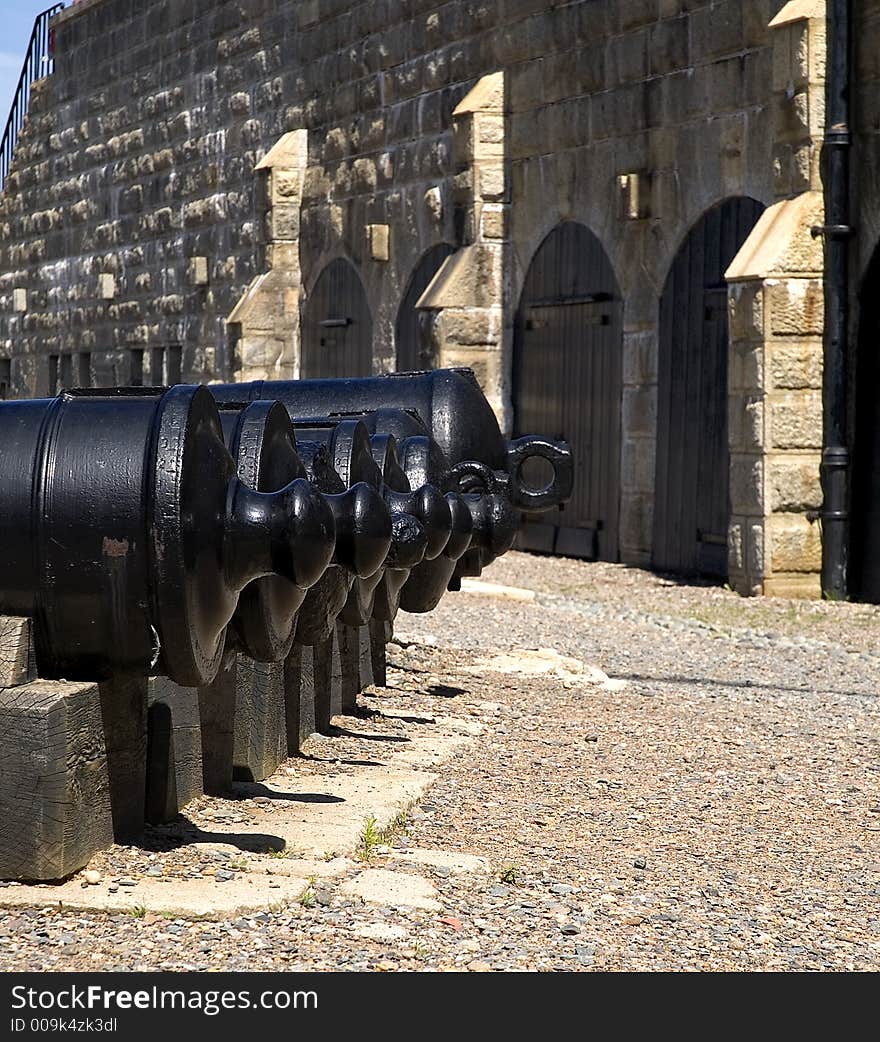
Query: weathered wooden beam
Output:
(17,664)
(217,721)
(355,652)
(380,634)
(174,749)
(307,694)
(260,719)
(325,666)
(55,800)
(293,666)
(124,717)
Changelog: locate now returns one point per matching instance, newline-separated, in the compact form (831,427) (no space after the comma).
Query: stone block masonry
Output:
(189,171)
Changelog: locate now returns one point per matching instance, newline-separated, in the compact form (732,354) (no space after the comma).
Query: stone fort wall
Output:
(145,198)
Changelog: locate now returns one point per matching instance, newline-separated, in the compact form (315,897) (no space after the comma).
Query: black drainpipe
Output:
(837,232)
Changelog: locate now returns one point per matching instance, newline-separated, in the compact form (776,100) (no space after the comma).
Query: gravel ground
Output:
(718,809)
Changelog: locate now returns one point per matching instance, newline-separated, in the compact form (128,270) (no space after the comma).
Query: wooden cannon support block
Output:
(55,805)
(174,749)
(261,698)
(356,657)
(320,664)
(55,800)
(380,635)
(83,765)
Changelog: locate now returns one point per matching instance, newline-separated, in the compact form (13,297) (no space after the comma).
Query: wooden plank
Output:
(567,371)
(55,804)
(293,667)
(692,471)
(345,349)
(307,694)
(217,724)
(412,352)
(174,749)
(327,672)
(124,715)
(380,634)
(17,664)
(355,652)
(536,536)
(260,741)
(864,567)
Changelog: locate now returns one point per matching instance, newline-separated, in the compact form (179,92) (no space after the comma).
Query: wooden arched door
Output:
(337,328)
(691,492)
(864,550)
(567,377)
(413,351)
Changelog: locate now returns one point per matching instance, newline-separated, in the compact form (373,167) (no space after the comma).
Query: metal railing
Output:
(38,62)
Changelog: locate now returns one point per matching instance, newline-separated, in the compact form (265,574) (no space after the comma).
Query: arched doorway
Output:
(337,329)
(567,380)
(864,550)
(691,492)
(413,351)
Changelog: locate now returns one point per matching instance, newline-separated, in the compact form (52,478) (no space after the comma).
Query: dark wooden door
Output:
(567,384)
(337,329)
(691,499)
(410,334)
(864,555)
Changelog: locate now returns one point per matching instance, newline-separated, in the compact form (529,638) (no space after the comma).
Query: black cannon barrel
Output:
(262,442)
(448,514)
(452,407)
(358,456)
(128,537)
(422,520)
(343,586)
(492,494)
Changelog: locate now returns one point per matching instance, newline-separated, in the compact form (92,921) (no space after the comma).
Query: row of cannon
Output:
(151,531)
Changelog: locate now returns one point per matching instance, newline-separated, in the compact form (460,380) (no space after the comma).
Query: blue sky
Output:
(16,22)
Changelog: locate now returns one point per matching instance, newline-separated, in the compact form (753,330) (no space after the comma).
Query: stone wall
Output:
(776,310)
(136,219)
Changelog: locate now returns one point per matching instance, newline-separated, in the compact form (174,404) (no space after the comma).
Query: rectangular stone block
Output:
(636,526)
(745,309)
(640,358)
(793,483)
(55,806)
(794,544)
(796,307)
(746,422)
(637,465)
(796,365)
(794,420)
(639,411)
(806,585)
(747,484)
(746,366)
